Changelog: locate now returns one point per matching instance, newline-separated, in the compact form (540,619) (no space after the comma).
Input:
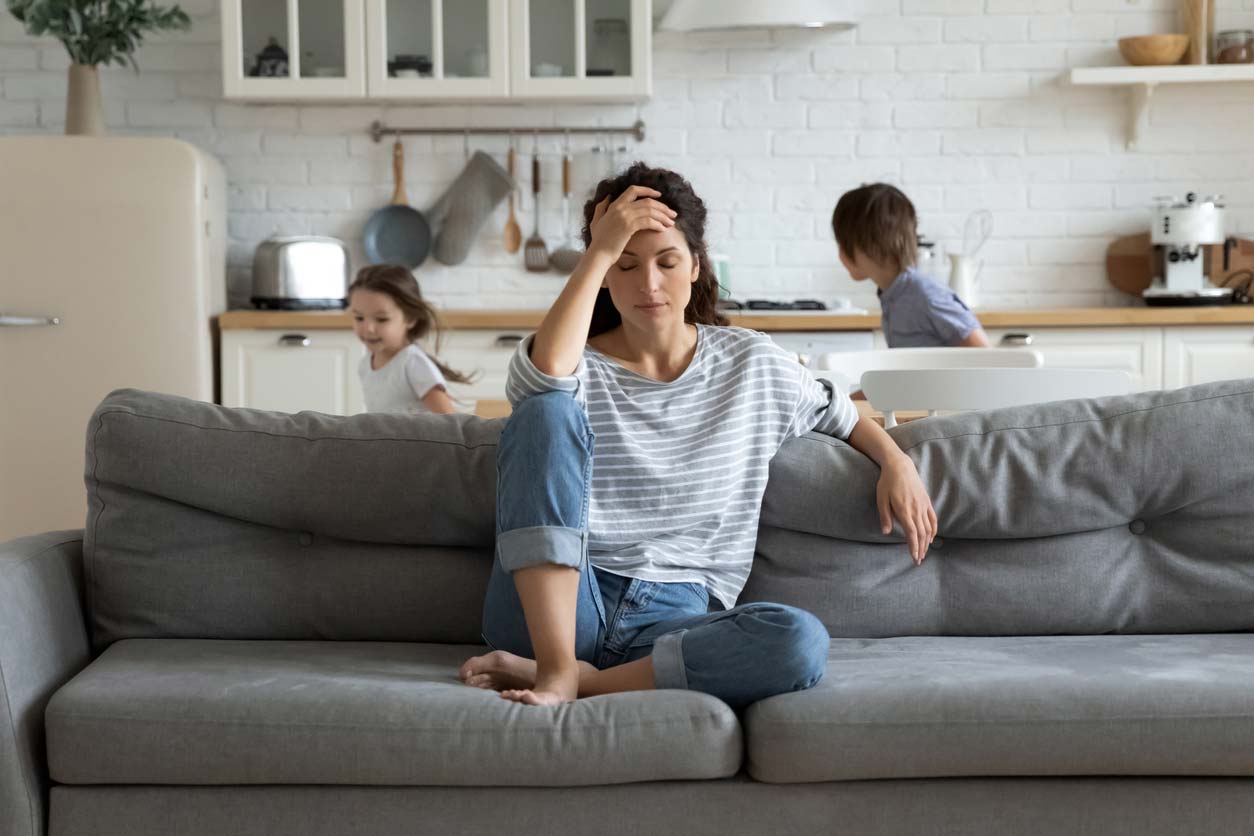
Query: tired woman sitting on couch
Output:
(631,475)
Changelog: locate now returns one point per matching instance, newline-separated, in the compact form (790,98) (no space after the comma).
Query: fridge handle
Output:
(14,321)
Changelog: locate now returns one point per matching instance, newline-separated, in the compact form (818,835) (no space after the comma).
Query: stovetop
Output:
(792,306)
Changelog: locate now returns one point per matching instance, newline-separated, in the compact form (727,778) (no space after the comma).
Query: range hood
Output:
(708,15)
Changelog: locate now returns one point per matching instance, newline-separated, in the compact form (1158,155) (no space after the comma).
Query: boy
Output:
(875,231)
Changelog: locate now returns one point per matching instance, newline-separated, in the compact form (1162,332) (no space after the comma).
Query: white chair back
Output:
(958,390)
(845,368)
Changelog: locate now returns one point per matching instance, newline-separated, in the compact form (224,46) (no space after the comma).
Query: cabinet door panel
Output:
(1204,355)
(291,372)
(1138,351)
(293,49)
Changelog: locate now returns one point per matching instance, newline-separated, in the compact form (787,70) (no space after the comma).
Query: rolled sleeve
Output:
(821,408)
(525,380)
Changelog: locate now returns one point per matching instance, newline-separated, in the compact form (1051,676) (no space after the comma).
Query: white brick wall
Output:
(960,102)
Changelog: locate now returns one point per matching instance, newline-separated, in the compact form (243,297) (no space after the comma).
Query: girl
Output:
(389,317)
(631,474)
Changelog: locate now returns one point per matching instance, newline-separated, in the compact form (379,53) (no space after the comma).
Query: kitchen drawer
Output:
(1204,355)
(1137,351)
(485,352)
(292,371)
(808,345)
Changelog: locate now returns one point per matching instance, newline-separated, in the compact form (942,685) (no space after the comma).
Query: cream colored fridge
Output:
(112,268)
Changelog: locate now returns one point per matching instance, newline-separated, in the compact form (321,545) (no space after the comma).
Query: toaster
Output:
(300,272)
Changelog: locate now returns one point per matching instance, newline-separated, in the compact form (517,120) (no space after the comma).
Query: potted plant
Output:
(94,32)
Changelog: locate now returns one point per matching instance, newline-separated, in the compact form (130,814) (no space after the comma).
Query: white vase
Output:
(964,277)
(83,112)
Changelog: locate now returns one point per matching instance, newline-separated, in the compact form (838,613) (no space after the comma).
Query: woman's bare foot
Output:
(499,671)
(553,687)
(502,671)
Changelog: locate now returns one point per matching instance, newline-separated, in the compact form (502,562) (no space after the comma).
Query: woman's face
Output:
(652,280)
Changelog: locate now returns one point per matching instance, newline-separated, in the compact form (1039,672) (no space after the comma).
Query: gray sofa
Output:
(258,632)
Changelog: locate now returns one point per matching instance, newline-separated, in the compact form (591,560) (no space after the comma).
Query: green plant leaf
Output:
(98,31)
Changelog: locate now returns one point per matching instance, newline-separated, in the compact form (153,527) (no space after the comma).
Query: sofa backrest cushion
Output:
(1117,515)
(1127,514)
(208,522)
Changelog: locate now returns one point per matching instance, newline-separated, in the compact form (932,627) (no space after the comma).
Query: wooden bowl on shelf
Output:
(1154,50)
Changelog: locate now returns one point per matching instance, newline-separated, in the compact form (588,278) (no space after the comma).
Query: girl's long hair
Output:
(399,283)
(677,193)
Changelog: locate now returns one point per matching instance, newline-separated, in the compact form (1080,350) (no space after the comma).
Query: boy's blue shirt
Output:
(919,312)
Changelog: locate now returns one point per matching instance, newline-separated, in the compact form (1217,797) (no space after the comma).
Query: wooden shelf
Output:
(1143,80)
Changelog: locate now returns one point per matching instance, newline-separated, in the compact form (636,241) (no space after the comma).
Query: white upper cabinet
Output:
(437,50)
(293,49)
(597,49)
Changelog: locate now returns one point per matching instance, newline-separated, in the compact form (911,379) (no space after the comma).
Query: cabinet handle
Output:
(294,340)
(508,340)
(1015,340)
(9,321)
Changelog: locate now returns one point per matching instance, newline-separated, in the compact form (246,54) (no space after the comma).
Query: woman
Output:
(631,474)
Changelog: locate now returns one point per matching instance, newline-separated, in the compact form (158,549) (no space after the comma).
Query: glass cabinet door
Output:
(582,48)
(438,48)
(292,48)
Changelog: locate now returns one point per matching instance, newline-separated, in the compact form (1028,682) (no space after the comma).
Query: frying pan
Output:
(397,234)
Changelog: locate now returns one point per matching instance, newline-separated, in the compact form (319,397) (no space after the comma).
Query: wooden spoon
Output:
(513,232)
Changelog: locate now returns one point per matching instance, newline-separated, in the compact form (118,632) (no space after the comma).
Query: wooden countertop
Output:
(1026,318)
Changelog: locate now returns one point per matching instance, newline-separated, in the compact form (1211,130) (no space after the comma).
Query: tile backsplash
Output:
(965,104)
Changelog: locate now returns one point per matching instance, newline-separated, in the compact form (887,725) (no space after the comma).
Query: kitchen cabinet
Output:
(316,370)
(291,371)
(580,49)
(437,50)
(1137,351)
(486,353)
(1203,355)
(293,49)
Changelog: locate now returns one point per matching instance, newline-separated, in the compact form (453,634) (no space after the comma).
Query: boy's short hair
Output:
(879,221)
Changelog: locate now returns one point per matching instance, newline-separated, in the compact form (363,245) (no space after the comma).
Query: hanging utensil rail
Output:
(378,131)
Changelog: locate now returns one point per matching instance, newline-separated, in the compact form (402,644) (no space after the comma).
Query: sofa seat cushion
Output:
(180,711)
(928,707)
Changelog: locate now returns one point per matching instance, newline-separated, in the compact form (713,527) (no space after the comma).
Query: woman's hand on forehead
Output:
(636,210)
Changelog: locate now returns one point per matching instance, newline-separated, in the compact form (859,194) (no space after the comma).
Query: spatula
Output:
(535,253)
(513,233)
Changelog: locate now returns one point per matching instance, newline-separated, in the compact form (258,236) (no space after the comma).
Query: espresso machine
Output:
(1181,231)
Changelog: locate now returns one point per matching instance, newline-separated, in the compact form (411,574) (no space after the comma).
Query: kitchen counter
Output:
(1027,318)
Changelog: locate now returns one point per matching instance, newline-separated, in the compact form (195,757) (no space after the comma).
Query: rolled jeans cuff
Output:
(668,661)
(521,548)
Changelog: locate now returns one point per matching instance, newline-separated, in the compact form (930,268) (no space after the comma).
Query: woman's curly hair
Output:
(677,193)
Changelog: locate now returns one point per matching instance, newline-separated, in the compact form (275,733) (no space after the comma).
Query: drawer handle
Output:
(1016,340)
(294,340)
(508,340)
(10,321)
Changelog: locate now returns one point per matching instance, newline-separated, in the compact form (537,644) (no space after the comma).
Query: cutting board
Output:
(1130,266)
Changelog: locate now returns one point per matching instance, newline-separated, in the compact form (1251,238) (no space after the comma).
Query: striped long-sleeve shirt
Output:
(679,468)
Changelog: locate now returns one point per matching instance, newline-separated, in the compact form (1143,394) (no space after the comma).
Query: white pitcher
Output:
(964,275)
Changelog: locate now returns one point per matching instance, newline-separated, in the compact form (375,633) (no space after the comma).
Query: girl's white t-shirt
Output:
(402,383)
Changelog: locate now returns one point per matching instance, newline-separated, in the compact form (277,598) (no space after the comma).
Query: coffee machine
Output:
(1181,231)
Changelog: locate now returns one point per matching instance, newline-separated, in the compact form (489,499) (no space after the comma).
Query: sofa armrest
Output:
(43,643)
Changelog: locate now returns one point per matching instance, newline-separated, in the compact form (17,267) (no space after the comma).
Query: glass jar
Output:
(1234,47)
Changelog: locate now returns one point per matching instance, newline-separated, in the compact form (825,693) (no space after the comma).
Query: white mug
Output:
(964,274)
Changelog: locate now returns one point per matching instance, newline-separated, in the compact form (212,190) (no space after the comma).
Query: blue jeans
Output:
(544,472)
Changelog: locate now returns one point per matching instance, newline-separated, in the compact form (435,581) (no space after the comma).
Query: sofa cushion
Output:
(930,707)
(217,523)
(177,711)
(1125,514)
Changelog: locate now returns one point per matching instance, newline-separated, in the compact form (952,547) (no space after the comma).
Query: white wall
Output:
(958,101)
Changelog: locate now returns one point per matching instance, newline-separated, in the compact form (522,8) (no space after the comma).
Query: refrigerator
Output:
(112,273)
